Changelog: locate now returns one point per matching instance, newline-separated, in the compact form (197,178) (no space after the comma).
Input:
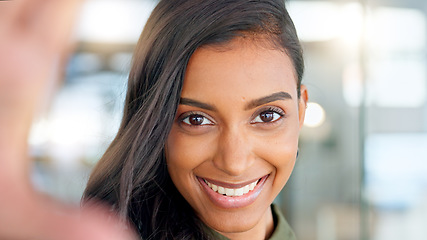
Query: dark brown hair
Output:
(132,175)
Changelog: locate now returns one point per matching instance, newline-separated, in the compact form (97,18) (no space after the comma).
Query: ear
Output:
(302,105)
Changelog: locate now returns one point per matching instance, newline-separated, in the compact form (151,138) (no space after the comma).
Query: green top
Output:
(282,230)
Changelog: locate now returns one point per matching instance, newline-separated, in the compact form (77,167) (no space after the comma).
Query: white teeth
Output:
(238,192)
(246,189)
(252,186)
(221,190)
(232,192)
(229,191)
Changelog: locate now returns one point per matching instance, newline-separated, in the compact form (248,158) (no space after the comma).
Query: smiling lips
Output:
(228,196)
(230,191)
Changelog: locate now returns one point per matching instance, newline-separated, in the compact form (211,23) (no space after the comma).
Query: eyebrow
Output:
(195,103)
(252,104)
(267,99)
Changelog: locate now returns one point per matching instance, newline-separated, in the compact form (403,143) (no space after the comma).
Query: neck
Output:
(262,230)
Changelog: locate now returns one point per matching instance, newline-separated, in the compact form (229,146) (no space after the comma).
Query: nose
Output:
(234,152)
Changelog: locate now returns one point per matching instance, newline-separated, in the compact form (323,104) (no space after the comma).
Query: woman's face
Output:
(234,140)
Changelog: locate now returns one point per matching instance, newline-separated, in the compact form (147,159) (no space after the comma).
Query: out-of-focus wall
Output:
(322,197)
(362,173)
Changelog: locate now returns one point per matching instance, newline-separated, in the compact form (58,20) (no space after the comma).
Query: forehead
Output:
(242,68)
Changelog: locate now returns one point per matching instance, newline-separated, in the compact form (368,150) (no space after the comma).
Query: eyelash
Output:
(274,110)
(186,115)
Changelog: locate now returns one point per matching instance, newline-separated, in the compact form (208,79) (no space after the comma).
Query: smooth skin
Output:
(239,120)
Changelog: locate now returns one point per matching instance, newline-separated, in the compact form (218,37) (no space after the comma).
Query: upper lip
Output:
(231,185)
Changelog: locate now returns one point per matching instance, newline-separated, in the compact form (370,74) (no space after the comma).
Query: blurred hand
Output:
(34,37)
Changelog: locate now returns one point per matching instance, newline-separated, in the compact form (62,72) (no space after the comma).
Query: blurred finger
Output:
(92,222)
(54,22)
(49,22)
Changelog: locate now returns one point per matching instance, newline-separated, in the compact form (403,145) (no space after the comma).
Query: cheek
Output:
(184,153)
(280,150)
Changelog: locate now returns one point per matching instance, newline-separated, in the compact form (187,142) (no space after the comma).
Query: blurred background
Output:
(361,172)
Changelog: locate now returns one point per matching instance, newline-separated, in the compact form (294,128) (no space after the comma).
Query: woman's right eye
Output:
(196,120)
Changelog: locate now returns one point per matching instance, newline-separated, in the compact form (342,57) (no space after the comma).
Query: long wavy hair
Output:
(132,175)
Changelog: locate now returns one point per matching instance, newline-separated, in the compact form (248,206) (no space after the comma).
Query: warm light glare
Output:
(113,21)
(325,21)
(397,73)
(396,29)
(315,115)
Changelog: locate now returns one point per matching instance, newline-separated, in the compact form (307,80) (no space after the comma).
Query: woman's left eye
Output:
(267,117)
(196,120)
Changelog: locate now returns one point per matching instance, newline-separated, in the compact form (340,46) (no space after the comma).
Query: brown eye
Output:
(196,120)
(267,116)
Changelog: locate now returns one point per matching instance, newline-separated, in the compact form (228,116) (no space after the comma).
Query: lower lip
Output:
(233,202)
